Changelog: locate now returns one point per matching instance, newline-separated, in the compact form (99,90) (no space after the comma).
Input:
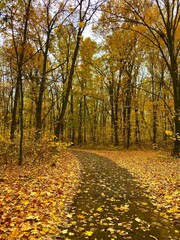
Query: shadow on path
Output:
(109,205)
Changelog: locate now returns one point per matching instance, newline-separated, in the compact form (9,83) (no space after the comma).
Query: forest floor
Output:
(36,198)
(157,173)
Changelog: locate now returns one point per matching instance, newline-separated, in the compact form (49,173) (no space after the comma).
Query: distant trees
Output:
(158,23)
(121,88)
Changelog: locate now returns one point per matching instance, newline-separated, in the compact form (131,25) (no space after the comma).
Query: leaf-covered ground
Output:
(158,174)
(110,205)
(34,197)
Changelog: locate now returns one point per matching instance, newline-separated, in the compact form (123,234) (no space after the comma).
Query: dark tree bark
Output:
(114,88)
(19,47)
(14,111)
(80,136)
(127,115)
(45,50)
(69,86)
(86,12)
(137,125)
(20,77)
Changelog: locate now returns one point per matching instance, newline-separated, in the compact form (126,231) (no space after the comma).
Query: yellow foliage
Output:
(169,133)
(88,233)
(81,24)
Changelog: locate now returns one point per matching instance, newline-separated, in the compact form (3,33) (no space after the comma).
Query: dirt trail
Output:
(109,205)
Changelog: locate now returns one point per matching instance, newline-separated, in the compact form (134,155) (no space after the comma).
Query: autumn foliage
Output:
(101,74)
(157,174)
(34,197)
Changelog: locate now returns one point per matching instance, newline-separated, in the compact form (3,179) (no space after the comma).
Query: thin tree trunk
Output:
(80,123)
(137,126)
(128,105)
(69,86)
(84,120)
(39,102)
(20,80)
(72,119)
(21,122)
(14,111)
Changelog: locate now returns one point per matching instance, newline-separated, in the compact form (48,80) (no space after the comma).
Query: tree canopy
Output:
(119,87)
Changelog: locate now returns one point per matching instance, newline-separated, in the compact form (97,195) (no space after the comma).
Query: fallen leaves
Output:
(34,197)
(110,205)
(88,233)
(155,172)
(137,219)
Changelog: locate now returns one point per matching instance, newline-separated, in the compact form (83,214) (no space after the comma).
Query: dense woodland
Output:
(119,86)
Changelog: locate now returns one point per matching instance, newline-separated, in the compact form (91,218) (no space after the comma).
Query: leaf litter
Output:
(111,205)
(34,197)
(155,172)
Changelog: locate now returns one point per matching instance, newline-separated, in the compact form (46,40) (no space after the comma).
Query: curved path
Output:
(110,205)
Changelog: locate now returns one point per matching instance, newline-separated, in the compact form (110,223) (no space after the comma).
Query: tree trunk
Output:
(128,102)
(176,86)
(72,119)
(84,120)
(137,126)
(127,116)
(69,86)
(21,107)
(80,123)
(14,111)
(39,101)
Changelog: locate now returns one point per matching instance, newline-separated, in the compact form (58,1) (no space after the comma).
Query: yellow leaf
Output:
(65,231)
(170,133)
(71,8)
(48,194)
(111,230)
(125,208)
(96,214)
(25,227)
(81,216)
(34,194)
(117,208)
(14,233)
(73,223)
(81,24)
(25,202)
(35,231)
(112,199)
(45,230)
(172,210)
(99,209)
(144,203)
(88,233)
(137,219)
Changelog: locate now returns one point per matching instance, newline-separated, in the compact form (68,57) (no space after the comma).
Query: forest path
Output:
(110,205)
